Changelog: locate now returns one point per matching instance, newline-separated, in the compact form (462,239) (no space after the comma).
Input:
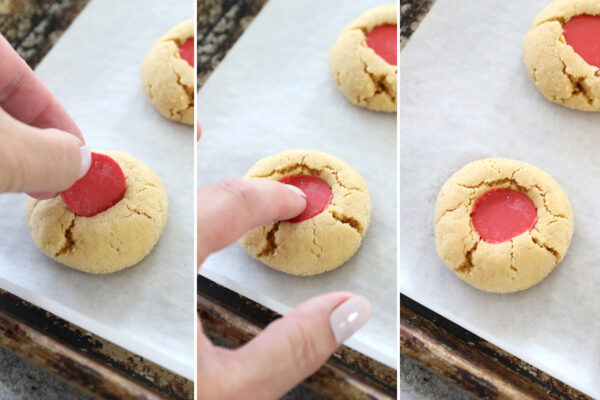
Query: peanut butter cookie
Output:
(111,240)
(502,225)
(331,228)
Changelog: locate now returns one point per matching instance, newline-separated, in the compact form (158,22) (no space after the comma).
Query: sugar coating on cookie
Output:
(550,53)
(328,239)
(111,240)
(363,60)
(515,261)
(168,77)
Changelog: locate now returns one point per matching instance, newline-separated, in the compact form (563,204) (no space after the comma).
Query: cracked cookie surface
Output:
(560,74)
(114,239)
(325,241)
(363,77)
(168,79)
(512,265)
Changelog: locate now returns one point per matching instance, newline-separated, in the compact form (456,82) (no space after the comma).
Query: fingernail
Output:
(86,161)
(349,317)
(296,190)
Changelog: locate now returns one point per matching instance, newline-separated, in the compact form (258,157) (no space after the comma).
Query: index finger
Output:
(24,96)
(229,209)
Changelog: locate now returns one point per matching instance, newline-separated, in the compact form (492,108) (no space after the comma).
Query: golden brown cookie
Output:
(365,76)
(491,198)
(555,54)
(114,239)
(328,239)
(167,77)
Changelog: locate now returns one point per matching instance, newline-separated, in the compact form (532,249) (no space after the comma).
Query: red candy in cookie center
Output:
(384,41)
(318,194)
(187,51)
(101,188)
(501,214)
(582,33)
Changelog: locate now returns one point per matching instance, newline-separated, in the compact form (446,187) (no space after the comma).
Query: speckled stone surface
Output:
(32,27)
(20,380)
(220,24)
(416,383)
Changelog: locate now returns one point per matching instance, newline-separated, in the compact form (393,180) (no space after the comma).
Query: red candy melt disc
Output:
(187,51)
(501,214)
(318,194)
(582,33)
(101,188)
(384,41)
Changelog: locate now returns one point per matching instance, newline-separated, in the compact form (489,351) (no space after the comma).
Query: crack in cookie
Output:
(69,243)
(271,244)
(347,220)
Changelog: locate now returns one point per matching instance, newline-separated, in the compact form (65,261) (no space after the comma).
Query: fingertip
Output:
(291,200)
(349,317)
(86,161)
(57,159)
(42,195)
(296,190)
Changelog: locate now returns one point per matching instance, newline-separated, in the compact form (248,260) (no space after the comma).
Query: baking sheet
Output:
(465,96)
(94,71)
(271,93)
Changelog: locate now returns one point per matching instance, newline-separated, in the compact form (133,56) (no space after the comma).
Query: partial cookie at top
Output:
(328,239)
(364,77)
(167,78)
(560,74)
(111,240)
(512,265)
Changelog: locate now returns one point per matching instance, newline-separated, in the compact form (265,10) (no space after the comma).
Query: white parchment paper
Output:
(465,96)
(273,92)
(94,71)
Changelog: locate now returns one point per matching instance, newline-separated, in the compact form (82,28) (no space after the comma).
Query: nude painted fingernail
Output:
(86,161)
(296,190)
(349,317)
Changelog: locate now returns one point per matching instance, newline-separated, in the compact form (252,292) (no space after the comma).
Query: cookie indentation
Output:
(501,214)
(101,188)
(582,33)
(187,51)
(384,41)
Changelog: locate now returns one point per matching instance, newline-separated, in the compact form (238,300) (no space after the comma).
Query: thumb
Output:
(293,347)
(39,160)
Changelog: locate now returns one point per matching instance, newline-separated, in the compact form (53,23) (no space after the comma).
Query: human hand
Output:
(292,347)
(40,144)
